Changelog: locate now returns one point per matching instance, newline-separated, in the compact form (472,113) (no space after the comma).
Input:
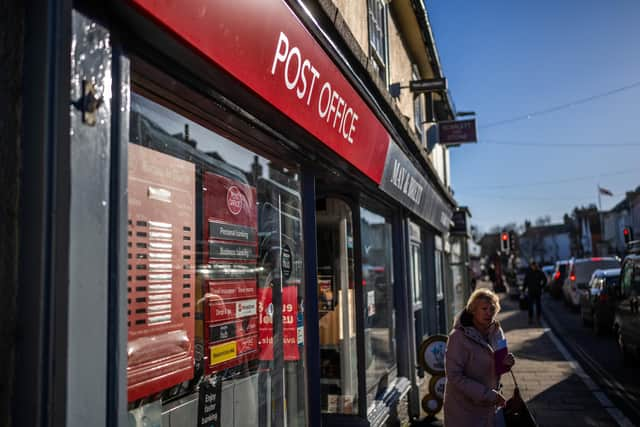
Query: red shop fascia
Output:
(264,46)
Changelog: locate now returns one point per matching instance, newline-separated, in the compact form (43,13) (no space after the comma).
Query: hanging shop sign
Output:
(402,181)
(456,132)
(460,222)
(427,85)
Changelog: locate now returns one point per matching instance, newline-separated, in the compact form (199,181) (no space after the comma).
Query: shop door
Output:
(337,308)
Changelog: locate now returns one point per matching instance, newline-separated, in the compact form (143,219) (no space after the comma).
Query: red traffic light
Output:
(625,231)
(505,236)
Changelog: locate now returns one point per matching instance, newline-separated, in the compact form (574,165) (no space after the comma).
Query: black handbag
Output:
(516,412)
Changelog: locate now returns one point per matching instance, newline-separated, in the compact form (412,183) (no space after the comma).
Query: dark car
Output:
(559,274)
(597,306)
(627,316)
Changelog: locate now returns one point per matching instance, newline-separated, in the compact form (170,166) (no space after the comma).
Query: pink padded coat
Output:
(471,378)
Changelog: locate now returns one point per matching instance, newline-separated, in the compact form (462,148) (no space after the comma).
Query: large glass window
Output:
(415,246)
(337,307)
(377,276)
(215,289)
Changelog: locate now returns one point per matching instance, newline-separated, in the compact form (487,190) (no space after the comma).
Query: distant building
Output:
(613,223)
(546,244)
(634,207)
(586,236)
(624,214)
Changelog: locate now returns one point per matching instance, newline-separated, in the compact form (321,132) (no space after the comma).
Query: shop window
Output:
(377,11)
(416,273)
(337,308)
(439,275)
(216,331)
(416,264)
(377,277)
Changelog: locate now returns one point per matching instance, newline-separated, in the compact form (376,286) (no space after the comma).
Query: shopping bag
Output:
(516,412)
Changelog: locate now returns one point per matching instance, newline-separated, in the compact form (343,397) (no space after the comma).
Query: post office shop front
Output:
(236,210)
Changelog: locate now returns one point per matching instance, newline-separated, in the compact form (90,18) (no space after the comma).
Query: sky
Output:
(506,59)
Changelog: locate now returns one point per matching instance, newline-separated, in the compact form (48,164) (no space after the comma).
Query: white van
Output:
(580,271)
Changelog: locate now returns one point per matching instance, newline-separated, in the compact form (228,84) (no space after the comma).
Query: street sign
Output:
(427,85)
(456,132)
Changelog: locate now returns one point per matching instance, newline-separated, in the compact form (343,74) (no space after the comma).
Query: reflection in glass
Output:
(228,254)
(336,292)
(377,275)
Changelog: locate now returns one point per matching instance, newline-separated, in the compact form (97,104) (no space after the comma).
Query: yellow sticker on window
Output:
(223,352)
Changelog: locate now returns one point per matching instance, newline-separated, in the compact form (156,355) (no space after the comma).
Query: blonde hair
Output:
(482,295)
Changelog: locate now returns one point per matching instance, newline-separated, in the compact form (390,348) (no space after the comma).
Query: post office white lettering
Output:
(299,74)
(291,84)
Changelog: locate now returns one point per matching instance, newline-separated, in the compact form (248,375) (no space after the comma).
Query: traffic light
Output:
(504,241)
(513,241)
(627,232)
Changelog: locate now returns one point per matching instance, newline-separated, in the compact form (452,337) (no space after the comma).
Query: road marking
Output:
(614,412)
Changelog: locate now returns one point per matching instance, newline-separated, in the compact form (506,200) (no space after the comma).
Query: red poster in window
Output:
(230,230)
(289,323)
(228,290)
(265,324)
(161,282)
(229,203)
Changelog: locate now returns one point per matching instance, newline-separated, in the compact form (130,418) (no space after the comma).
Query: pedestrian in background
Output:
(534,282)
(472,394)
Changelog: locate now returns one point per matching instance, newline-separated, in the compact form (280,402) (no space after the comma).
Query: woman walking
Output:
(472,393)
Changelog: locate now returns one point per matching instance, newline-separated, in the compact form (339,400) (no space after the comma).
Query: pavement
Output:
(557,391)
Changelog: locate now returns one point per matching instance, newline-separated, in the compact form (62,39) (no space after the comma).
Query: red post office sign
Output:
(264,45)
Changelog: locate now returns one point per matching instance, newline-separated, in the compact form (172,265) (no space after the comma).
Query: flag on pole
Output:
(604,191)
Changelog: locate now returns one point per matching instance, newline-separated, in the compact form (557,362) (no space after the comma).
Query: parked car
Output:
(580,271)
(597,307)
(559,275)
(548,272)
(627,316)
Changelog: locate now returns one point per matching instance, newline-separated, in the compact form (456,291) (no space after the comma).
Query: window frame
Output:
(391,327)
(146,75)
(378,36)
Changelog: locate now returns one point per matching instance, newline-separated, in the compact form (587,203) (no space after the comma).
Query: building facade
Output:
(546,244)
(224,218)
